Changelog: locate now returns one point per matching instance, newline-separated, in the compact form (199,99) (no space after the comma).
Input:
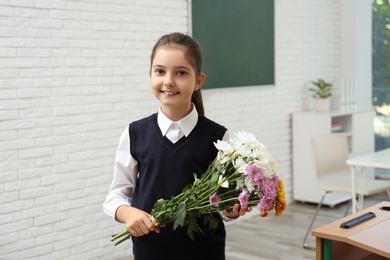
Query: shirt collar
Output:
(186,124)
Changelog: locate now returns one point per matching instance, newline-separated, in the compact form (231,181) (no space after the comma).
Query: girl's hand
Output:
(236,211)
(138,222)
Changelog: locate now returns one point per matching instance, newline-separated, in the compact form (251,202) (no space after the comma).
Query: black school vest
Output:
(164,170)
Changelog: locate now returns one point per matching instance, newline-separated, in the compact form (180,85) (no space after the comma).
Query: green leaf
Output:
(179,215)
(196,179)
(214,178)
(193,227)
(210,220)
(159,204)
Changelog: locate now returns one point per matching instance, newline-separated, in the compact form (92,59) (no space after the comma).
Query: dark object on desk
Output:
(357,220)
(385,208)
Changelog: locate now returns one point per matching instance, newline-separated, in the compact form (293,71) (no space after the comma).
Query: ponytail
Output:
(196,98)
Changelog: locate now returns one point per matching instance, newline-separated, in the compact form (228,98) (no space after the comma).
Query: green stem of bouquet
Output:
(126,234)
(208,205)
(206,189)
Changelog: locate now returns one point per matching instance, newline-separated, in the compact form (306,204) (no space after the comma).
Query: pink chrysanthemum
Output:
(268,189)
(254,174)
(214,199)
(243,198)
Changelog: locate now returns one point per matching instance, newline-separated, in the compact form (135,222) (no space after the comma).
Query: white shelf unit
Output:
(358,125)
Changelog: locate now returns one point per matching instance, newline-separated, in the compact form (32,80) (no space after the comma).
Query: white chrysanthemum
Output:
(249,185)
(266,166)
(244,151)
(223,182)
(260,152)
(222,158)
(224,147)
(243,139)
(240,184)
(239,164)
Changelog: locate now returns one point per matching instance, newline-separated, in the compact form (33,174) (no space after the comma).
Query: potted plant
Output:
(322,91)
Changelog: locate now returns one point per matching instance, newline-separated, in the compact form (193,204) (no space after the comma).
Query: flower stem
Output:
(126,234)
(123,239)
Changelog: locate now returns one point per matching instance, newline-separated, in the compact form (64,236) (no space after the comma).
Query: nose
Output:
(168,80)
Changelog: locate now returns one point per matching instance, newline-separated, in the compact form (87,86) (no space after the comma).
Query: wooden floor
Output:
(256,238)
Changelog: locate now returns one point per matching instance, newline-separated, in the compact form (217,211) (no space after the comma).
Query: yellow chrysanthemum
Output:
(263,214)
(280,208)
(281,204)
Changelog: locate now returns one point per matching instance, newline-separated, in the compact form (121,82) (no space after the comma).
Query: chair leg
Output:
(314,218)
(348,208)
(388,193)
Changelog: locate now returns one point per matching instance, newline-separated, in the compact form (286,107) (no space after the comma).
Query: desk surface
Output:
(372,235)
(368,239)
(380,159)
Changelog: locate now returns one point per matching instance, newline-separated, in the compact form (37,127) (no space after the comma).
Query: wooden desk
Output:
(368,240)
(380,159)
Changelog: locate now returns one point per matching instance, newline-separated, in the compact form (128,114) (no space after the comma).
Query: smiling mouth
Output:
(170,93)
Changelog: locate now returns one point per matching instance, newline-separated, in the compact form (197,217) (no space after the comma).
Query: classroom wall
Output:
(74,73)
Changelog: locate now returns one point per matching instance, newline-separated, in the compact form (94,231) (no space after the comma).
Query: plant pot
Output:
(321,104)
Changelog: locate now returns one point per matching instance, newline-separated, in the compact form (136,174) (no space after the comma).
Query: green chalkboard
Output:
(237,39)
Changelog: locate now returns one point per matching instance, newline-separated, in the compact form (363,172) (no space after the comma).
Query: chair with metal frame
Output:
(330,153)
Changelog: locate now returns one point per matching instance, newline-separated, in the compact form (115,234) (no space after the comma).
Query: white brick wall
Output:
(74,73)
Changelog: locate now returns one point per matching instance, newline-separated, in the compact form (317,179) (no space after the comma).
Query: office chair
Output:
(332,174)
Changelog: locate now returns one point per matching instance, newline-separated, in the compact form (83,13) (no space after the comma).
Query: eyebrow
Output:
(178,67)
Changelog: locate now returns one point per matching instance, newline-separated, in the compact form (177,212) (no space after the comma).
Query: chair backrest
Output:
(330,153)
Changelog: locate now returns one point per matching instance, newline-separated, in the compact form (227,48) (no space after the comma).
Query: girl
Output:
(157,156)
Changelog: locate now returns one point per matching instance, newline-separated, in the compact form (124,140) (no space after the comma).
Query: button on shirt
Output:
(126,167)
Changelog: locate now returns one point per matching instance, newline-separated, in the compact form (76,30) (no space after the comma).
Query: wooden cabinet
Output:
(358,125)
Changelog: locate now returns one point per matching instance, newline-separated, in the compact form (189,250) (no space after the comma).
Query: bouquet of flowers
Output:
(243,172)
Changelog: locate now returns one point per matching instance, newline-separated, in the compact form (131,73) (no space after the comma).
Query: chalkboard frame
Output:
(237,39)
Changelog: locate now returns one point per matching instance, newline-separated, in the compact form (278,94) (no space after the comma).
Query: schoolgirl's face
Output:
(173,80)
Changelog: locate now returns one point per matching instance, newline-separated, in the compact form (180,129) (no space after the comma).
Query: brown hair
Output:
(193,54)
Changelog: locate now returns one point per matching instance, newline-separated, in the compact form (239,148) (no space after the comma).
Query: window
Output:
(381,72)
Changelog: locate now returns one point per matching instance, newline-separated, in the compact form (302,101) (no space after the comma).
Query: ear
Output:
(199,81)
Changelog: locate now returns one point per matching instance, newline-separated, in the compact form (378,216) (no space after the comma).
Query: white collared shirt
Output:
(126,167)
(186,124)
